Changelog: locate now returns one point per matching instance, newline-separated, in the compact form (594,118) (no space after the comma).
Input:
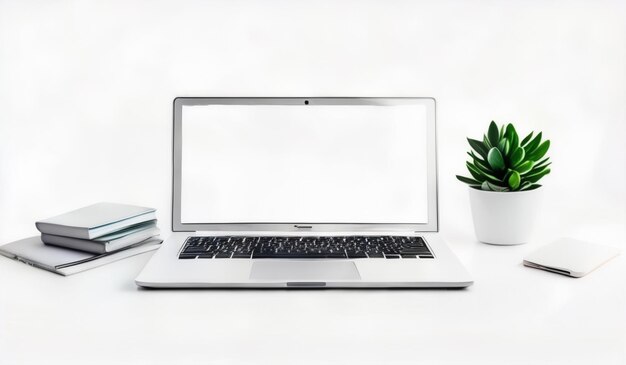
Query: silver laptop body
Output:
(304,170)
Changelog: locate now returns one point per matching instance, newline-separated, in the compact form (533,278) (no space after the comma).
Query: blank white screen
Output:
(304,164)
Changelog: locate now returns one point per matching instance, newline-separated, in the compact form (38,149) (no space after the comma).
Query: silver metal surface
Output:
(301,271)
(165,270)
(430,226)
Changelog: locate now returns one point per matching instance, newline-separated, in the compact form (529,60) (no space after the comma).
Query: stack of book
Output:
(100,228)
(88,237)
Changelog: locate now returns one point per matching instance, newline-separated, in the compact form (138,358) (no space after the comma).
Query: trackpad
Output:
(304,271)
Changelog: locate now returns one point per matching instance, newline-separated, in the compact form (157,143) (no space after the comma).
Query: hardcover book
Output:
(95,220)
(109,243)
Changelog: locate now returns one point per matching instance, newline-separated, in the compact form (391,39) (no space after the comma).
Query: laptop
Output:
(304,193)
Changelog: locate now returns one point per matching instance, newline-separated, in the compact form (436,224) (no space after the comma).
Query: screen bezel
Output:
(431,166)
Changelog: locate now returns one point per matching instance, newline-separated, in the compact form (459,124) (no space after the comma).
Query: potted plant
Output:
(503,188)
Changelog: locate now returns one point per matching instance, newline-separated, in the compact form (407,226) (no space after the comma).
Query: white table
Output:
(511,315)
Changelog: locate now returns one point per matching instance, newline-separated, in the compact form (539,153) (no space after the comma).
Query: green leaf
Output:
(505,178)
(514,180)
(475,171)
(514,142)
(540,151)
(467,180)
(526,139)
(481,175)
(542,161)
(524,167)
(478,147)
(525,185)
(483,167)
(510,131)
(481,164)
(486,142)
(517,156)
(533,178)
(533,144)
(533,187)
(537,169)
(493,133)
(476,158)
(492,187)
(495,159)
(511,135)
(503,146)
(540,166)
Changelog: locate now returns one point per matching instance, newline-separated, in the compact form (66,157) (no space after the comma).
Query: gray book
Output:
(109,243)
(63,261)
(95,220)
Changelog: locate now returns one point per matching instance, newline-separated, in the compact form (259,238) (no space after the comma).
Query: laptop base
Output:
(166,270)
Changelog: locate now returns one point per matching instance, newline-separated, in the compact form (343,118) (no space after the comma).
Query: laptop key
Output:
(412,252)
(288,256)
(194,251)
(356,255)
(337,255)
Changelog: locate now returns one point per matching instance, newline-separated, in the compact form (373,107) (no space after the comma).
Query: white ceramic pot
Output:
(504,218)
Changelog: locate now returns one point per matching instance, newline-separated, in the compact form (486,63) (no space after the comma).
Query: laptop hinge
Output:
(297,232)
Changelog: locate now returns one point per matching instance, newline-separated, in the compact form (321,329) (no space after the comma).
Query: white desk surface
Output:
(511,315)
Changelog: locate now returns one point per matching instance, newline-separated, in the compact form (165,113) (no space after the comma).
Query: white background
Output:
(86,91)
(86,88)
(304,164)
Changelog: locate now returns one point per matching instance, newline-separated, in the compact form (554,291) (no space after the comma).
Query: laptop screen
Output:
(304,164)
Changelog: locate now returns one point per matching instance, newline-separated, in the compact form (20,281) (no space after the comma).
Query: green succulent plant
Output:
(501,162)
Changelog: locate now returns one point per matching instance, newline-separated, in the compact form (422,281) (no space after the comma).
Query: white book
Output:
(63,261)
(109,243)
(96,220)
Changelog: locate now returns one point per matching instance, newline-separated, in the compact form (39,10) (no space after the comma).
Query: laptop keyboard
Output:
(282,247)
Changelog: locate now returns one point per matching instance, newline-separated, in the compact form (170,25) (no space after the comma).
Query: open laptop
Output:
(304,193)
